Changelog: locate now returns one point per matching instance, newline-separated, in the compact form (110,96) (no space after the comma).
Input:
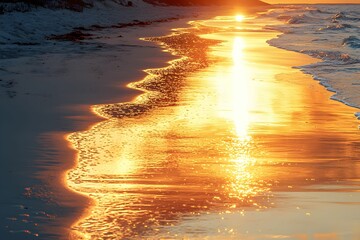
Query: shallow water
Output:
(330,33)
(227,142)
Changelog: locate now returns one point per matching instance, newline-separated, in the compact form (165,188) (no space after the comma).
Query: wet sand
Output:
(227,142)
(53,95)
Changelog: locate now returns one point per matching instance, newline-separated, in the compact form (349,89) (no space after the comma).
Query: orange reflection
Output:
(215,134)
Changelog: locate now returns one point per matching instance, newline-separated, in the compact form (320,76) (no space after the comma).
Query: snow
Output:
(24,34)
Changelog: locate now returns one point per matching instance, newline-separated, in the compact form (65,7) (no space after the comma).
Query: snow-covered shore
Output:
(47,88)
(24,34)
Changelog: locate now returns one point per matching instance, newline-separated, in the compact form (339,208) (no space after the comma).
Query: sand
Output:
(188,168)
(46,96)
(245,147)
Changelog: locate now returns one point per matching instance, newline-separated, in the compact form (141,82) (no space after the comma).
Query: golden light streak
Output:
(155,161)
(241,90)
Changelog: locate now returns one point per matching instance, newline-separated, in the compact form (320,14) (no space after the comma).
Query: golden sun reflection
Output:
(125,166)
(239,18)
(241,90)
(209,141)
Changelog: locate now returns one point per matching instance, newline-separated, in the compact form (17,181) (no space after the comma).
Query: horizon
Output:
(312,2)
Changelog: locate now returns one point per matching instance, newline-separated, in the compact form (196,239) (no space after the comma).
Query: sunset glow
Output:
(311,2)
(239,18)
(212,150)
(180,119)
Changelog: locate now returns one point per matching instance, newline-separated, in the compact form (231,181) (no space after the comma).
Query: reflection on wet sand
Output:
(208,150)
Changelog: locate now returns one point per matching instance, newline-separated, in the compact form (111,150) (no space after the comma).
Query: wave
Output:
(297,19)
(315,15)
(352,42)
(336,27)
(332,56)
(329,33)
(342,16)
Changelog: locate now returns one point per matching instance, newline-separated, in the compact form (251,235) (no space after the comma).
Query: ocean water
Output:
(330,33)
(227,141)
(221,145)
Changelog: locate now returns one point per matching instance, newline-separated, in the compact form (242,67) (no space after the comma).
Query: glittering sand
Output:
(226,142)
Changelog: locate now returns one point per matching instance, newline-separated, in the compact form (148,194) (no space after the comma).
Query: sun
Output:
(239,18)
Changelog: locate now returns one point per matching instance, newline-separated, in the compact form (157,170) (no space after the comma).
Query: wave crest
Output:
(337,27)
(342,16)
(352,42)
(338,57)
(298,19)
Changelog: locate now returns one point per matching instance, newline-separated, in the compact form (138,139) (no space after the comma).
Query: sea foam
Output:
(327,32)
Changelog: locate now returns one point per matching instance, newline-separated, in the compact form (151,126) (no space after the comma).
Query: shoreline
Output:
(148,98)
(87,204)
(84,119)
(52,77)
(51,146)
(338,55)
(91,222)
(171,59)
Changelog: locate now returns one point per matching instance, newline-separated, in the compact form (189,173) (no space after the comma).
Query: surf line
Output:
(160,88)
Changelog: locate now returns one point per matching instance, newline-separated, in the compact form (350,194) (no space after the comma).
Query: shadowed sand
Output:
(54,92)
(227,142)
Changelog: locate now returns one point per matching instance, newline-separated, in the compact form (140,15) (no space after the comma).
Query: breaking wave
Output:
(329,33)
(352,42)
(338,26)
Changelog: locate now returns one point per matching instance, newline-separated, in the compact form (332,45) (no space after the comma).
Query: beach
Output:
(46,96)
(189,128)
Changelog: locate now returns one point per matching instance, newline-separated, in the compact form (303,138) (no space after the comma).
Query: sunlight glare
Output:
(239,18)
(125,167)
(241,90)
